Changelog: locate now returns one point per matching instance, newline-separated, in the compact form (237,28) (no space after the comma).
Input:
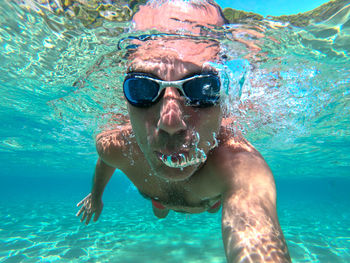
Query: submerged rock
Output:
(236,16)
(316,15)
(91,13)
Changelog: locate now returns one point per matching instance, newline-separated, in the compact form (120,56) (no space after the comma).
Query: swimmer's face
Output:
(175,137)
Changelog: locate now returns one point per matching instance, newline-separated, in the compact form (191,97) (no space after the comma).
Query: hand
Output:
(90,207)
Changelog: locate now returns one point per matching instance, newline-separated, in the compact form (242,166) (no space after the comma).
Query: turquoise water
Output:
(272,7)
(298,118)
(38,224)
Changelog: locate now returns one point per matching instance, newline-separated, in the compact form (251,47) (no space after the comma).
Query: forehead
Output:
(174,56)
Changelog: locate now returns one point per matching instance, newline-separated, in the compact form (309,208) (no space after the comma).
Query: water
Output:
(294,108)
(270,7)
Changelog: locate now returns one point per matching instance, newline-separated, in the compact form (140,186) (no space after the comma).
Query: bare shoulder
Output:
(242,166)
(113,145)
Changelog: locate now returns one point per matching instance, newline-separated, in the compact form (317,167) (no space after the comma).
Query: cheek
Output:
(142,122)
(210,124)
(137,122)
(207,119)
(207,123)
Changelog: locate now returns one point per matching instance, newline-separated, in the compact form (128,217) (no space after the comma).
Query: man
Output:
(184,158)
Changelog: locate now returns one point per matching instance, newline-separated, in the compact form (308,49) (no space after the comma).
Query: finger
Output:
(80,211)
(81,202)
(84,216)
(88,219)
(97,215)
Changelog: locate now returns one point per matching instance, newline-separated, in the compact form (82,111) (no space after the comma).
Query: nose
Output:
(171,115)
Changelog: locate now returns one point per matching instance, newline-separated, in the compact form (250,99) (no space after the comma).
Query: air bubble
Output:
(215,141)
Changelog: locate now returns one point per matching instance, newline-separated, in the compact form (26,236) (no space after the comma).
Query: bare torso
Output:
(201,192)
(234,175)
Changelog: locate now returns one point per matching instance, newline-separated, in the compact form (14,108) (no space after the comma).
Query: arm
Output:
(110,146)
(92,203)
(103,173)
(250,227)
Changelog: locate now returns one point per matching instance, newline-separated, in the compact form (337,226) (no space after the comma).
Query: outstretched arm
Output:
(92,203)
(103,173)
(110,146)
(250,227)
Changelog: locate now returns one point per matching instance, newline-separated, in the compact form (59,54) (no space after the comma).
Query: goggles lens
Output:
(142,90)
(202,92)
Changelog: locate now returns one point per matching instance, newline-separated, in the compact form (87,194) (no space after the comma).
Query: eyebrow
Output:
(192,74)
(145,72)
(140,68)
(202,72)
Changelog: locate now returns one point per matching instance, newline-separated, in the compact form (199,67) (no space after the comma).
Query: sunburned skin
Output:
(177,162)
(176,15)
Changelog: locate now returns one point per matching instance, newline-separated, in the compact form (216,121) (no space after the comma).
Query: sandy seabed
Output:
(128,232)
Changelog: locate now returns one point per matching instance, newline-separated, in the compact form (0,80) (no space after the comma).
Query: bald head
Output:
(178,15)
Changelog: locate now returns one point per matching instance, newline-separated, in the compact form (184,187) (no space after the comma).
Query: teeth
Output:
(182,161)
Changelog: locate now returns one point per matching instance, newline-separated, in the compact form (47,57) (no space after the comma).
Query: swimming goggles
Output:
(142,90)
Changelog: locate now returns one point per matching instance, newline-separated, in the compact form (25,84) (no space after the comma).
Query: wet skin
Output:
(234,172)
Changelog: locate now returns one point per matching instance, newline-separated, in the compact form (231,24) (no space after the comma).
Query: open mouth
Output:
(182,160)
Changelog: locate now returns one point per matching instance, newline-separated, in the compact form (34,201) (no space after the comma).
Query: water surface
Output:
(58,75)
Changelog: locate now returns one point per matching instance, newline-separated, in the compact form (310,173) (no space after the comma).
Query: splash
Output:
(182,160)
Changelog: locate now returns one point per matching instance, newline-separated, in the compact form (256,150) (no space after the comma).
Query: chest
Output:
(197,194)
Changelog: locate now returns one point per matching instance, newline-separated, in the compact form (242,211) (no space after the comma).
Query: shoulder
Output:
(113,145)
(240,164)
(234,147)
